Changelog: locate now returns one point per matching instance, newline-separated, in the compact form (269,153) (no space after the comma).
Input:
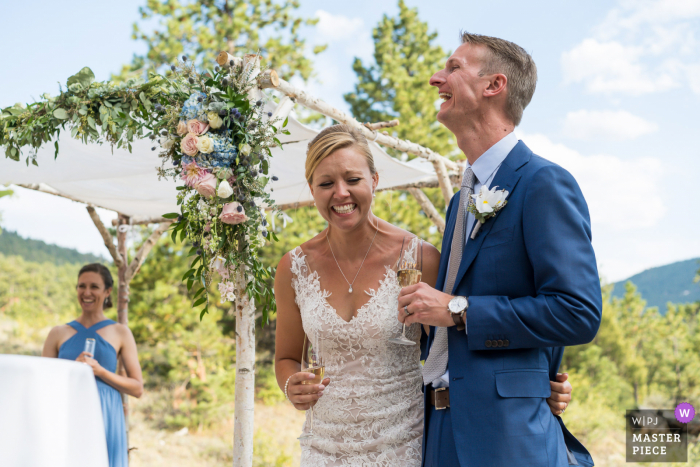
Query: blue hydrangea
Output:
(193,109)
(223,155)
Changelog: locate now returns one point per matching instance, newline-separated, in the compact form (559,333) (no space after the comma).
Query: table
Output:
(50,414)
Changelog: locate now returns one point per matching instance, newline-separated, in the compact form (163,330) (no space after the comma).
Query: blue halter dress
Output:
(112,409)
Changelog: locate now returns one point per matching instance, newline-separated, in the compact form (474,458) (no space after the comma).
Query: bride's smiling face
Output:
(342,186)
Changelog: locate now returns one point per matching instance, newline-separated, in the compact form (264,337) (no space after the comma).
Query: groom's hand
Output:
(561,394)
(426,305)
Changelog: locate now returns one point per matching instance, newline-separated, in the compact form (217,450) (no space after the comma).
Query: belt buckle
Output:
(436,398)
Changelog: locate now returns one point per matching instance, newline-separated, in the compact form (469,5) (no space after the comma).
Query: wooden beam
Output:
(318,105)
(106,236)
(145,249)
(380,125)
(428,208)
(224,59)
(138,220)
(444,181)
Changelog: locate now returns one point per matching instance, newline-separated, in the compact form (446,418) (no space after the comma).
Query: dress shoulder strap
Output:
(77,326)
(299,266)
(102,324)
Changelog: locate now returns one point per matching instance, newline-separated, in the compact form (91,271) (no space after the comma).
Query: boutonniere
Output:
(485,205)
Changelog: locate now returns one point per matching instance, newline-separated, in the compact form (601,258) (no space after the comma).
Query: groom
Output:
(510,295)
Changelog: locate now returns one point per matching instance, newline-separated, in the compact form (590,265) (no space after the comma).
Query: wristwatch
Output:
(458,308)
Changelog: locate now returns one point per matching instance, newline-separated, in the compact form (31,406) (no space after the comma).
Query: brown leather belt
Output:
(439,397)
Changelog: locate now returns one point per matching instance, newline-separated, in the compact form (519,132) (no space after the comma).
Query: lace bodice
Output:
(371,413)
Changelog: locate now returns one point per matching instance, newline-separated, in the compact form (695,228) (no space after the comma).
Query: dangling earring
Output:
(374,195)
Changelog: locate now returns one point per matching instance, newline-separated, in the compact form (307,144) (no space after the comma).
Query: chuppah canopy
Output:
(115,179)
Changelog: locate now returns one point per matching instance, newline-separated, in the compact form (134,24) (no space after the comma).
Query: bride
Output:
(341,287)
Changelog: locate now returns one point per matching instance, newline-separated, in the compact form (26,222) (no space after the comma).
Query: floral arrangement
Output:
(219,142)
(214,135)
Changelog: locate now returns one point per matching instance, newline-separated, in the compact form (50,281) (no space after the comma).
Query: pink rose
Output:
(189,144)
(231,214)
(181,127)
(206,186)
(197,127)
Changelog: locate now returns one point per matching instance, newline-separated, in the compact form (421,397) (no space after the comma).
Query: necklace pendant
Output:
(350,289)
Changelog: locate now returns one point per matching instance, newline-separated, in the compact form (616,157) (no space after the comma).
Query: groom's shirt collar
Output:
(486,166)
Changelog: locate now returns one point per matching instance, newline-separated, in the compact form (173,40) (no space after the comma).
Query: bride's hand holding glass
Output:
(305,389)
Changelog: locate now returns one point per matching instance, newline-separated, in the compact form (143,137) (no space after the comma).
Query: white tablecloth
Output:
(50,414)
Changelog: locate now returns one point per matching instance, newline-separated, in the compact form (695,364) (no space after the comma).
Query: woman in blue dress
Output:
(112,341)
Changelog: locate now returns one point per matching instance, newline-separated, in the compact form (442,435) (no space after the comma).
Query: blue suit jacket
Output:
(533,288)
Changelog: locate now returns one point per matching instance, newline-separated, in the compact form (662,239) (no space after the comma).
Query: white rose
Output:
(168,143)
(224,190)
(214,120)
(205,144)
(487,201)
(245,149)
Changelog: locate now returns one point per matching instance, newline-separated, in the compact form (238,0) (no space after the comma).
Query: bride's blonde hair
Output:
(332,139)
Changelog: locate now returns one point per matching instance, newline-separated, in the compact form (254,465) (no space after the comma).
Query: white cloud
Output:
(337,27)
(607,124)
(622,195)
(351,33)
(642,46)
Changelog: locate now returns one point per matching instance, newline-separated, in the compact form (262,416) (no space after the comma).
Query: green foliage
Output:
(92,111)
(201,29)
(669,283)
(396,85)
(34,297)
(639,358)
(40,252)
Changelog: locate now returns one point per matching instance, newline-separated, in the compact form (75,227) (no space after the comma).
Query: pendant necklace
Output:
(363,259)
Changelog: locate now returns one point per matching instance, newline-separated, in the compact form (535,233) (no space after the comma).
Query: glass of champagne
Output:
(312,362)
(409,272)
(90,347)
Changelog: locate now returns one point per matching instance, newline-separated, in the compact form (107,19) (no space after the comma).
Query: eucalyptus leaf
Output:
(84,77)
(60,113)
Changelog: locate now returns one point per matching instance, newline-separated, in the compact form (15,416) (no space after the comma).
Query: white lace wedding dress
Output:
(371,413)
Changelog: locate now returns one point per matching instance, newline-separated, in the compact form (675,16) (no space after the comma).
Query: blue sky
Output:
(619,84)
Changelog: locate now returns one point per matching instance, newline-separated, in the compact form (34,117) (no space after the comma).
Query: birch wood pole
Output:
(123,303)
(301,97)
(428,208)
(244,398)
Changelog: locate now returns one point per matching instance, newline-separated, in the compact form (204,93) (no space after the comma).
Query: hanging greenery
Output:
(212,133)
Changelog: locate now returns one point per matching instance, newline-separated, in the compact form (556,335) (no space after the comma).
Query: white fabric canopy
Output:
(128,183)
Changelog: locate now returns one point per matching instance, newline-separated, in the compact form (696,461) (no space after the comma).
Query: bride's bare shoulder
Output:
(309,249)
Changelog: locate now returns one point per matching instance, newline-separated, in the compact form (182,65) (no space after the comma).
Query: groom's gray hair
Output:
(509,59)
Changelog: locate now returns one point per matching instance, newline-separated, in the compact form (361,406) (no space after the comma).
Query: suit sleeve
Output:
(567,307)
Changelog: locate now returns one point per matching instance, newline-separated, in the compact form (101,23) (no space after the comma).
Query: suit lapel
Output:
(506,178)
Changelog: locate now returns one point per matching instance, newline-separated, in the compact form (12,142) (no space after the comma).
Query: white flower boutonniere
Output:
(485,205)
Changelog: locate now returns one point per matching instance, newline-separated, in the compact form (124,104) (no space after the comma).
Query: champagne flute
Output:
(410,267)
(312,362)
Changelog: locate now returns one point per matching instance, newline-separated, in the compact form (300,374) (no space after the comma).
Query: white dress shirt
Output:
(485,169)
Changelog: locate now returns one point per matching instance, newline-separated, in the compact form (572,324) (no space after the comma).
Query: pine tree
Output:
(397,84)
(200,29)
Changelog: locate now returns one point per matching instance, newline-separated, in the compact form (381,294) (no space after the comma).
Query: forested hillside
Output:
(41,252)
(673,283)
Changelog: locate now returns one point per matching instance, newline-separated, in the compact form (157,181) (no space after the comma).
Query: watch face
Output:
(458,304)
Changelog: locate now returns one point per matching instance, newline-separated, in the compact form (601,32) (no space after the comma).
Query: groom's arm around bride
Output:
(528,275)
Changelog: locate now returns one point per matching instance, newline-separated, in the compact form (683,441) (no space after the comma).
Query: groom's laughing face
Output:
(460,87)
